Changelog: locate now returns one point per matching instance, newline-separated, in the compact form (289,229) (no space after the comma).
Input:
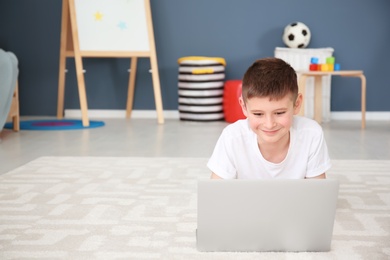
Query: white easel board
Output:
(115,25)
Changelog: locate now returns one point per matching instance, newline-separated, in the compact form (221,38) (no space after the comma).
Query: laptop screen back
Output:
(266,215)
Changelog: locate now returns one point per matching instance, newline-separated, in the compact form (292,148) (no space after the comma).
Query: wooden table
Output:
(318,89)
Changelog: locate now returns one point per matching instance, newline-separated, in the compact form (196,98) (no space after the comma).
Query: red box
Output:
(313,67)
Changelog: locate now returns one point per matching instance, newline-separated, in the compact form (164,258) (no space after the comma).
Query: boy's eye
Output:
(258,114)
(281,113)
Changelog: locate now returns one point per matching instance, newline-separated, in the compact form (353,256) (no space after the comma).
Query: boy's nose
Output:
(269,122)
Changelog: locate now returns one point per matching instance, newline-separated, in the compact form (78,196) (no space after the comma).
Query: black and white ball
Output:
(296,35)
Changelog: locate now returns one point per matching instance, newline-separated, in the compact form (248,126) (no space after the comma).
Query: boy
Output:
(272,142)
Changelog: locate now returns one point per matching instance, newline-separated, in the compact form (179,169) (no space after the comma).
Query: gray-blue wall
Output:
(239,31)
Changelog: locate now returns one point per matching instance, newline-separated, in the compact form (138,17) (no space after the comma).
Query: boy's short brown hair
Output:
(269,77)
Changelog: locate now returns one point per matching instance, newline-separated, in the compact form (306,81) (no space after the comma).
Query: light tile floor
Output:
(174,138)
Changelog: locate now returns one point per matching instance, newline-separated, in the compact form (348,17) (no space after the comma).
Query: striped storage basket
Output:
(201,84)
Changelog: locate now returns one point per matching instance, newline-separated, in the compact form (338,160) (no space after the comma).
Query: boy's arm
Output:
(321,176)
(215,177)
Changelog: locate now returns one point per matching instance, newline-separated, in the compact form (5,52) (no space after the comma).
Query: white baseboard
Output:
(370,116)
(174,114)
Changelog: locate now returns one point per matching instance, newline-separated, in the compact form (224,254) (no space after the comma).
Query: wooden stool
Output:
(13,114)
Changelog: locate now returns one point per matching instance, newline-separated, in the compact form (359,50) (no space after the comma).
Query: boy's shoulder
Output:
(238,128)
(241,124)
(301,123)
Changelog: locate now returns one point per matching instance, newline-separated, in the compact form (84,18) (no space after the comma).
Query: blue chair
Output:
(9,96)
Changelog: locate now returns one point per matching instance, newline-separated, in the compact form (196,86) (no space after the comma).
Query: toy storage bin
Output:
(299,59)
(201,82)
(231,106)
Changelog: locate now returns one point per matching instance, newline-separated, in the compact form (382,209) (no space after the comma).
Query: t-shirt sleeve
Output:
(221,160)
(319,160)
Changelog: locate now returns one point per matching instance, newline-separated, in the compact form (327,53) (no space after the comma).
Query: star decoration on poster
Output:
(98,16)
(122,25)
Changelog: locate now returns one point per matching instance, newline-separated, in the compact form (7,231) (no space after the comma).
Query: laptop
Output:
(266,215)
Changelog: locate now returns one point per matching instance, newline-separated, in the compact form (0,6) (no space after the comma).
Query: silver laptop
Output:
(266,215)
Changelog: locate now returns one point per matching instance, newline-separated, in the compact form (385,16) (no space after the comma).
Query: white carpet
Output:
(145,208)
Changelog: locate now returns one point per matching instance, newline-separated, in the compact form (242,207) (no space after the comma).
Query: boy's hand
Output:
(215,177)
(321,176)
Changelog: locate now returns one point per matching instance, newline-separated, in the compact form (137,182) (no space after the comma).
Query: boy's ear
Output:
(298,104)
(243,106)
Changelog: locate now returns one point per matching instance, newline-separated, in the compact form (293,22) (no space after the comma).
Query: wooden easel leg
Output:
(130,91)
(79,64)
(157,90)
(154,65)
(82,92)
(61,88)
(61,74)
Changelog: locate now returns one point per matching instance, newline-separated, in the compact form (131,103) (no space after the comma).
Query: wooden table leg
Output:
(14,113)
(318,98)
(302,90)
(16,118)
(363,94)
(363,79)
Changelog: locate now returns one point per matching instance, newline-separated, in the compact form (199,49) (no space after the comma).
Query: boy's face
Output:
(271,119)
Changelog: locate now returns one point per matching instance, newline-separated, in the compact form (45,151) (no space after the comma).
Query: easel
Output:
(70,47)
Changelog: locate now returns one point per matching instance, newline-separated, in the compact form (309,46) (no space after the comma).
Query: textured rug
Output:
(145,208)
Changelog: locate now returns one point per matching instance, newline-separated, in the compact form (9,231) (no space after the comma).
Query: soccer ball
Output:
(296,35)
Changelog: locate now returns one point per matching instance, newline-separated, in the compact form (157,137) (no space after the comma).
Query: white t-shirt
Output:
(237,155)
